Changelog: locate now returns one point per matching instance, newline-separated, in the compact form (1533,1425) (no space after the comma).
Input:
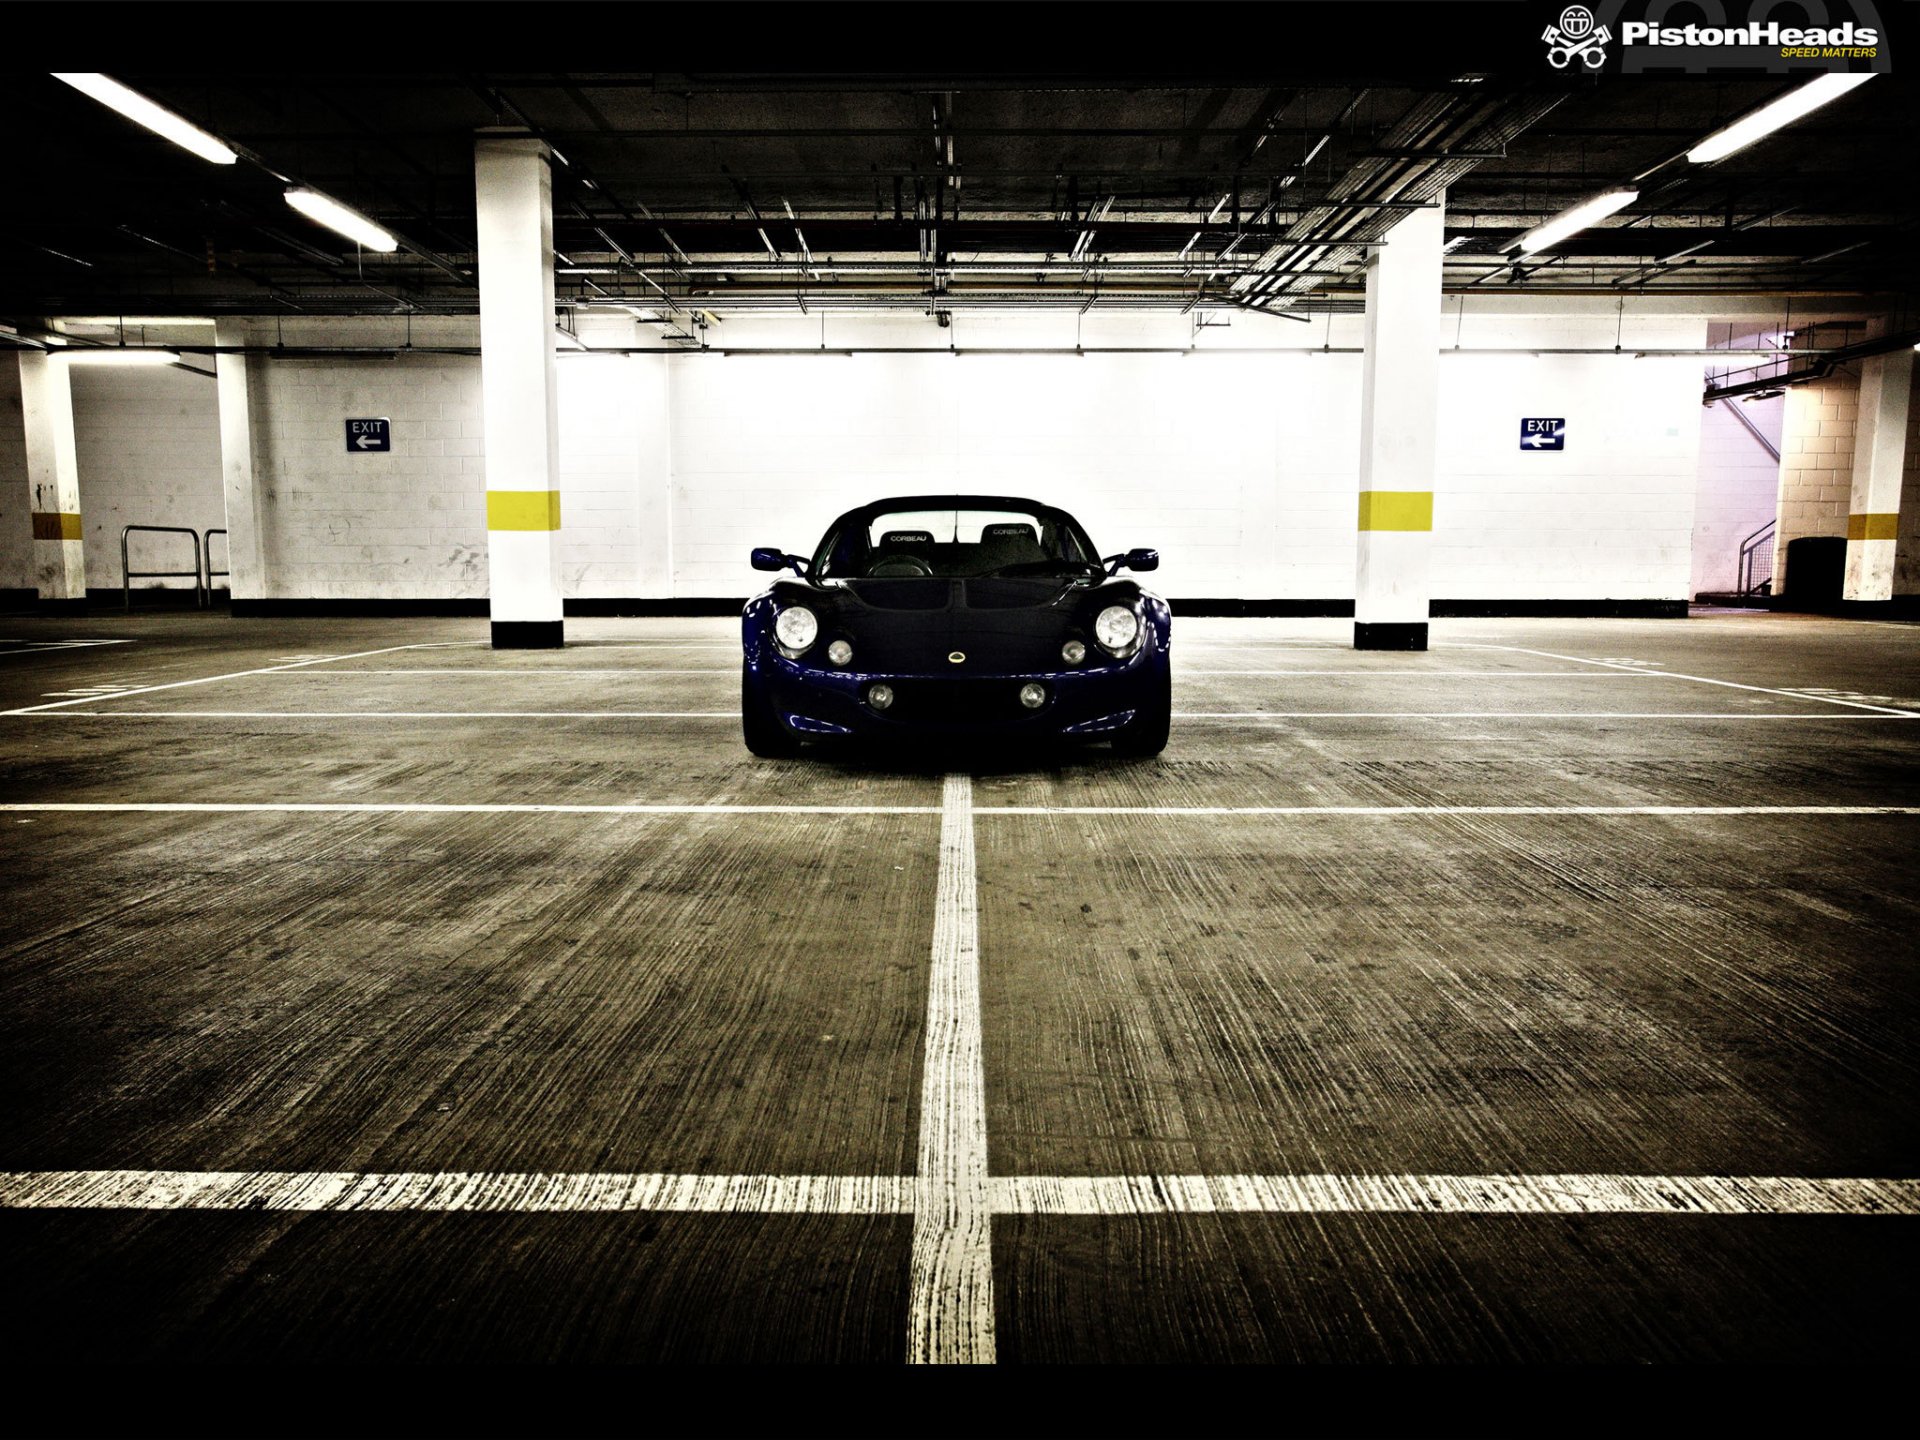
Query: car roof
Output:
(947,502)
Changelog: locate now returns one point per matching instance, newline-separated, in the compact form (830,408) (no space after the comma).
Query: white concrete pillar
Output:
(1879,460)
(513,186)
(53,481)
(245,549)
(1399,408)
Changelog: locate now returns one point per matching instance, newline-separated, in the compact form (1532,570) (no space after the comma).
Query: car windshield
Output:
(952,543)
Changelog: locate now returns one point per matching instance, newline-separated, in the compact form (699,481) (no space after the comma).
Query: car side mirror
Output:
(1133,560)
(772,557)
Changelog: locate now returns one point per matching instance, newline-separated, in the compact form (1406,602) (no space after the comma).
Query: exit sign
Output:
(1543,434)
(365,437)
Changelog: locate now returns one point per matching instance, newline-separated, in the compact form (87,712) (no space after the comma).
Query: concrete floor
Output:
(1404,1010)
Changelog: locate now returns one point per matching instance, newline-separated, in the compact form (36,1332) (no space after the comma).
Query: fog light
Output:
(1073,652)
(880,697)
(1033,696)
(839,652)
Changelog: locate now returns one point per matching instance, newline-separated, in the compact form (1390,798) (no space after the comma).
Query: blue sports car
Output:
(955,616)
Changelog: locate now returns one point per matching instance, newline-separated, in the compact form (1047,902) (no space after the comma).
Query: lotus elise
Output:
(950,617)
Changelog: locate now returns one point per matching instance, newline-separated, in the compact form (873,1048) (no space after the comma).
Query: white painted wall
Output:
(148,442)
(1239,464)
(16,501)
(1608,517)
(1738,488)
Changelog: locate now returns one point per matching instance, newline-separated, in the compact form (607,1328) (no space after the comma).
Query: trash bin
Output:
(1816,570)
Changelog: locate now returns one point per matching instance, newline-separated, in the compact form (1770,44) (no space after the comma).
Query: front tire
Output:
(760,727)
(1146,734)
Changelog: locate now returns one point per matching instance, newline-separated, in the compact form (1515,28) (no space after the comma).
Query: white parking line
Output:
(619,1193)
(42,647)
(398,807)
(492,672)
(1455,1195)
(380,714)
(1521,715)
(1392,811)
(1252,716)
(457,1190)
(1697,679)
(950,1292)
(235,675)
(1360,674)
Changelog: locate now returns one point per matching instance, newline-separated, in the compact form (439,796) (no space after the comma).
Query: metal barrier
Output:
(206,563)
(1756,562)
(128,576)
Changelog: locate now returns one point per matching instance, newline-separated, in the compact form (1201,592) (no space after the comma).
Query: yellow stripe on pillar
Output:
(57,525)
(1396,510)
(1873,527)
(523,510)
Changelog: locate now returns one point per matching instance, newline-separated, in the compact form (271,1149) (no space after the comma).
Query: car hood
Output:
(1001,625)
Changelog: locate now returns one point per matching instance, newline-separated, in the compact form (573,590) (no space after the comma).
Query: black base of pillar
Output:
(62,607)
(1401,635)
(529,634)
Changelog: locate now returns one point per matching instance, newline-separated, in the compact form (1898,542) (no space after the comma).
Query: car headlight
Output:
(1073,652)
(1117,628)
(797,628)
(840,652)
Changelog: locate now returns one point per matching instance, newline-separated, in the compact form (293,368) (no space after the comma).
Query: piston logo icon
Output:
(1576,34)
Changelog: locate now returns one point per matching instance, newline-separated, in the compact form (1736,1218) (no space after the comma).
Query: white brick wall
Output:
(1240,467)
(1906,566)
(1738,488)
(1608,517)
(410,524)
(16,504)
(1816,463)
(148,444)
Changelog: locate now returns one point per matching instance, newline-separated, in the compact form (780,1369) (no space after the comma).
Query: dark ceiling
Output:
(736,191)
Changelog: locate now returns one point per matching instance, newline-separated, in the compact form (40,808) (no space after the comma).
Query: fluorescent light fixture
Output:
(142,111)
(1568,222)
(113,355)
(327,211)
(1776,113)
(651,316)
(129,322)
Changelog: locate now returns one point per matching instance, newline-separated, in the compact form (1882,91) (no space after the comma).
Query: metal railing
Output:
(206,561)
(128,575)
(1756,562)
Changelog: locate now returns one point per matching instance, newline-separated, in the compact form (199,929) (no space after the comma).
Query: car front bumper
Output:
(1088,702)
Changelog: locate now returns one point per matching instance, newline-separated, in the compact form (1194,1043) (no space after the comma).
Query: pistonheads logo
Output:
(1577,34)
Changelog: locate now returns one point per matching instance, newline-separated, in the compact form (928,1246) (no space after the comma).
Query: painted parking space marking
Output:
(402,807)
(1361,674)
(1394,811)
(1257,715)
(1455,1195)
(398,807)
(1639,668)
(38,713)
(43,647)
(473,1191)
(490,672)
(950,1294)
(241,674)
(588,1192)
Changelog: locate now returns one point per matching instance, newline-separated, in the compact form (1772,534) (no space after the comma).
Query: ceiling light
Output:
(1568,222)
(115,356)
(1775,113)
(126,322)
(327,211)
(142,111)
